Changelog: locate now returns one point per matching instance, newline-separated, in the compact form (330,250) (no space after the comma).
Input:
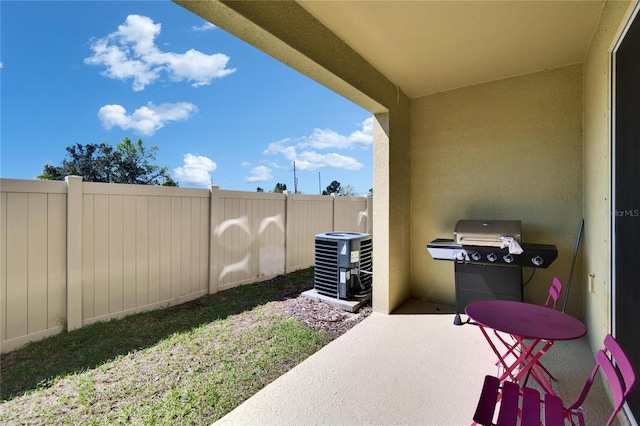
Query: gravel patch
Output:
(320,316)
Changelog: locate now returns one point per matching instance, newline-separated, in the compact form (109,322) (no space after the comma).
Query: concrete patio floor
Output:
(413,367)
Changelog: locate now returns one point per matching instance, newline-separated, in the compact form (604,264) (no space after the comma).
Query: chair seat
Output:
(524,403)
(516,404)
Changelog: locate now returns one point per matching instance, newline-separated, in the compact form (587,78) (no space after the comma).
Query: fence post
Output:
(287,205)
(214,223)
(74,252)
(333,211)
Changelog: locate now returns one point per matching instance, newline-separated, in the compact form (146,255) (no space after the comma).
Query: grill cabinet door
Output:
(476,282)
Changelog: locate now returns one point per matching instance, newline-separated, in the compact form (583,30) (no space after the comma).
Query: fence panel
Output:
(248,237)
(84,252)
(143,247)
(350,214)
(33,266)
(307,215)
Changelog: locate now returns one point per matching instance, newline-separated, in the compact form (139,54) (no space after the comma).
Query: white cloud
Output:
(274,165)
(207,26)
(281,147)
(131,53)
(145,120)
(304,150)
(194,66)
(259,174)
(309,160)
(196,170)
(326,139)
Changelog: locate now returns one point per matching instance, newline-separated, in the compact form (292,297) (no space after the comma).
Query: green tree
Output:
(280,188)
(343,191)
(135,165)
(348,191)
(93,161)
(128,162)
(333,188)
(169,181)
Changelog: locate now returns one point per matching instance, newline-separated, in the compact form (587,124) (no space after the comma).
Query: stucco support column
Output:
(369,218)
(391,210)
(74,252)
(380,215)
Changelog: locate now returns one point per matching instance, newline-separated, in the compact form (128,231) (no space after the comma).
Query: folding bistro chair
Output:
(554,294)
(527,405)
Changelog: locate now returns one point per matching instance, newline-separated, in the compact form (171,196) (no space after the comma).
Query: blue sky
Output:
(220,111)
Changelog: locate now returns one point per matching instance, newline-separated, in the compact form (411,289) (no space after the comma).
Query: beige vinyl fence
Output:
(73,253)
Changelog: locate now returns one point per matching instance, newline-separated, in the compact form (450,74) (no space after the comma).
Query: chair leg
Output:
(539,364)
(512,349)
(551,376)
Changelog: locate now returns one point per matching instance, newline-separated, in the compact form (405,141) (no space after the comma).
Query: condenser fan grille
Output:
(366,263)
(326,267)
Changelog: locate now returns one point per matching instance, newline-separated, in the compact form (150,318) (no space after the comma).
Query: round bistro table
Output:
(524,321)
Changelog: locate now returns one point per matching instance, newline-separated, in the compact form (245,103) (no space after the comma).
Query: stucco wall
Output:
(597,170)
(510,149)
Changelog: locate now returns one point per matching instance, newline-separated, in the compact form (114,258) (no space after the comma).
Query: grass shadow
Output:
(38,364)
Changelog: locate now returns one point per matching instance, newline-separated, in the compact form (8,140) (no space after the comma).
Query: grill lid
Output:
(486,232)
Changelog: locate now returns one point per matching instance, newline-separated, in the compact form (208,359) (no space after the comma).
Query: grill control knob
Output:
(491,257)
(461,255)
(537,260)
(508,258)
(475,255)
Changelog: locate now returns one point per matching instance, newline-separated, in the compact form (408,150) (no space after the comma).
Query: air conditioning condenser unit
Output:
(343,264)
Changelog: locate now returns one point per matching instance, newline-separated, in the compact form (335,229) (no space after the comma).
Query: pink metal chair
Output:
(554,292)
(525,404)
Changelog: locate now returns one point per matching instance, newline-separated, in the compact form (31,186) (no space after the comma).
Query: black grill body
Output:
(487,271)
(484,282)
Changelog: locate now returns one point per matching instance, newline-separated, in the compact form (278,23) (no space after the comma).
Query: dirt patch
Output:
(319,315)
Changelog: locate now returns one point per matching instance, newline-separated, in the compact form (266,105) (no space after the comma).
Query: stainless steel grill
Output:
(488,258)
(486,232)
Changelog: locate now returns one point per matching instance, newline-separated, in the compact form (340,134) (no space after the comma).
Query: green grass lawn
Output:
(188,364)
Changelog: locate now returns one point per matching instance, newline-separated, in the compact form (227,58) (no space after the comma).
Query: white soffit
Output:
(426,47)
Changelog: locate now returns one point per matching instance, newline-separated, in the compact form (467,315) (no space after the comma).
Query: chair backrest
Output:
(622,363)
(554,292)
(618,372)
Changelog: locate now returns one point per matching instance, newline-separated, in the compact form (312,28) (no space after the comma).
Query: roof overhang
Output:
(426,47)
